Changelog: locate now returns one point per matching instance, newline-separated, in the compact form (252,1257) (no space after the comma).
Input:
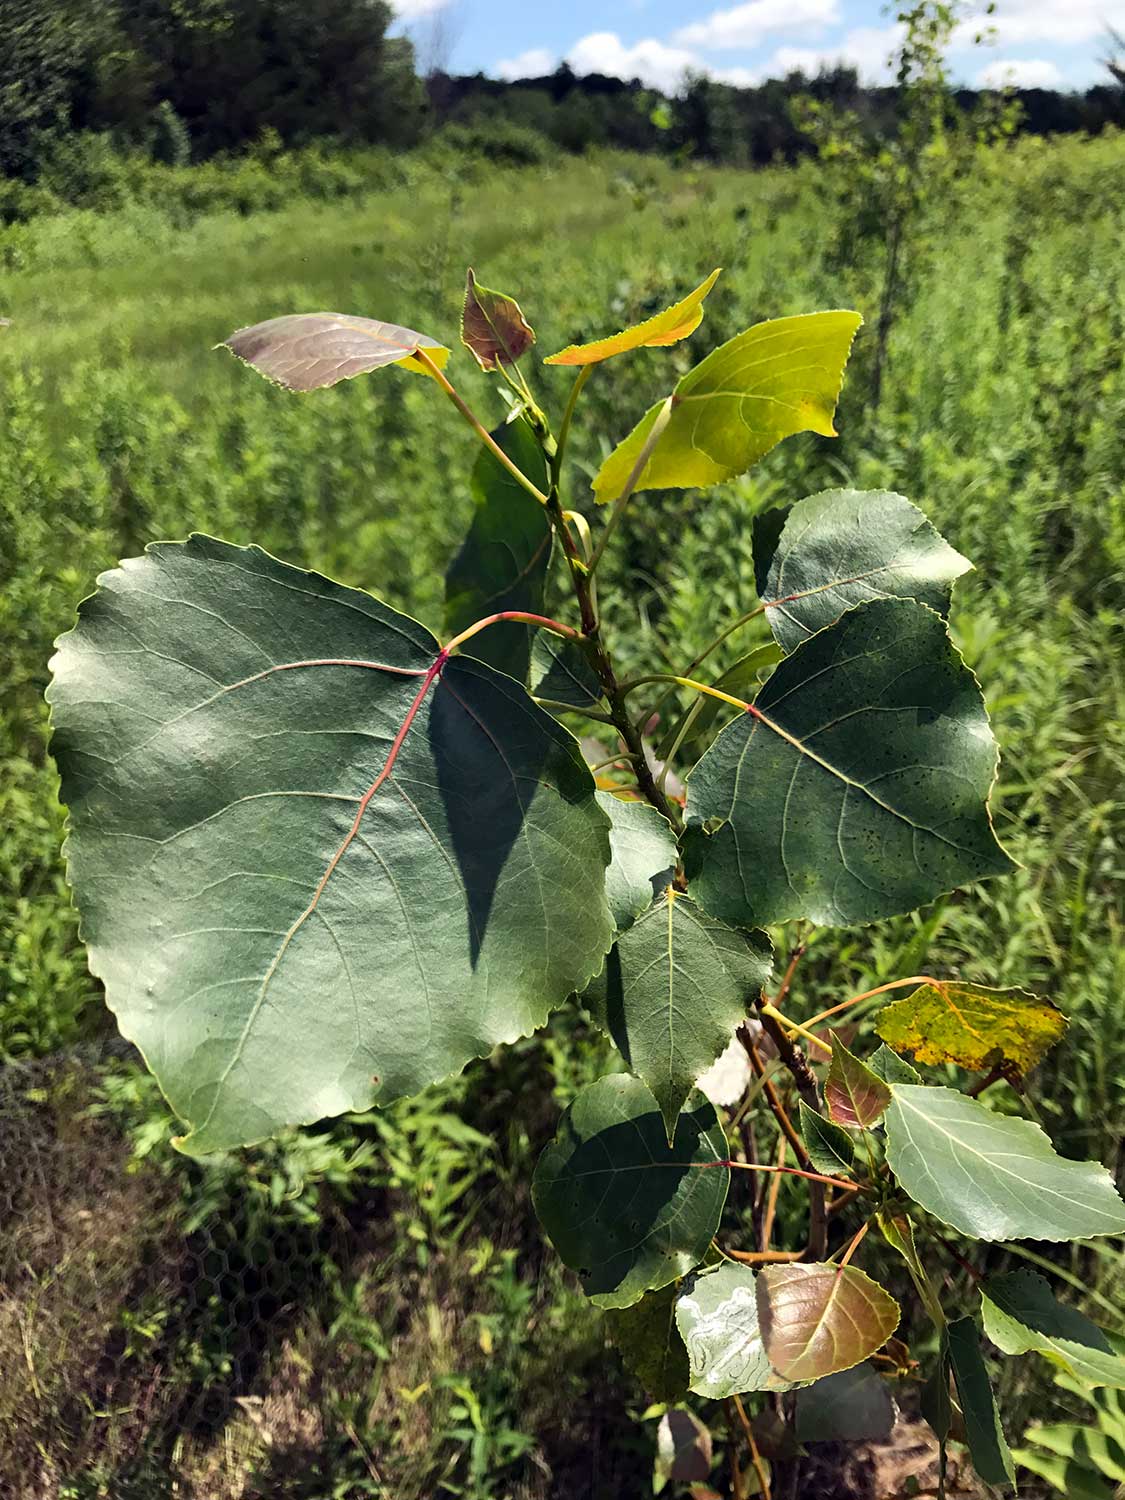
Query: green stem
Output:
(485,436)
(694,666)
(554,706)
(568,417)
(688,682)
(663,417)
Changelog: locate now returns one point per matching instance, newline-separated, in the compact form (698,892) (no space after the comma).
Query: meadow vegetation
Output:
(365,1310)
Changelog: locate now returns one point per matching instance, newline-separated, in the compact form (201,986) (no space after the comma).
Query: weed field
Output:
(363,1309)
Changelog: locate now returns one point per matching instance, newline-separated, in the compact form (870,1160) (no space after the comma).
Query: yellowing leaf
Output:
(774,380)
(308,351)
(972,1026)
(493,327)
(669,327)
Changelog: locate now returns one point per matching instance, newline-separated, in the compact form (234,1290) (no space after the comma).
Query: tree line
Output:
(186,80)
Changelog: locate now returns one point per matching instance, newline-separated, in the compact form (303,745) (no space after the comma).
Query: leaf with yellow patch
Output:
(974,1027)
(669,327)
(774,380)
(308,351)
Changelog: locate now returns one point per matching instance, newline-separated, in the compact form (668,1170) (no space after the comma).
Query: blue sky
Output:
(1045,43)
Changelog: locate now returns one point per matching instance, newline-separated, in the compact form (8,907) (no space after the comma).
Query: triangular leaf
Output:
(683,1449)
(317,864)
(642,849)
(624,1209)
(851,1406)
(561,673)
(672,990)
(845,547)
(978,1028)
(669,327)
(308,351)
(855,1096)
(987,1447)
(493,327)
(650,1344)
(1021,1315)
(776,379)
(830,1147)
(857,787)
(817,1319)
(506,555)
(991,1176)
(717,1315)
(891,1068)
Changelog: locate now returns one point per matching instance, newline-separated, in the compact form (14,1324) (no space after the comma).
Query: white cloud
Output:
(866,48)
(655,63)
(414,10)
(1065,22)
(1020,73)
(747,25)
(534,63)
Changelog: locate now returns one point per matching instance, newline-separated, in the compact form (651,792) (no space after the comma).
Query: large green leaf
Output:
(643,856)
(987,1446)
(1021,1315)
(626,1210)
(844,547)
(775,379)
(857,787)
(991,1176)
(506,554)
(947,1021)
(717,1315)
(673,989)
(817,1319)
(650,1343)
(300,901)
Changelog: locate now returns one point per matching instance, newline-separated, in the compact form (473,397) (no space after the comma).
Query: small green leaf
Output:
(830,1147)
(493,327)
(668,327)
(935,1402)
(891,1068)
(560,671)
(972,1026)
(624,1209)
(775,379)
(857,787)
(987,1446)
(308,351)
(991,1176)
(854,1095)
(642,848)
(1021,1315)
(673,989)
(316,866)
(741,680)
(649,1342)
(851,1406)
(817,1319)
(844,547)
(506,555)
(717,1315)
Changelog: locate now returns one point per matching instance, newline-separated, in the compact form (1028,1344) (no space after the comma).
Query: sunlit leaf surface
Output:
(307,351)
(668,327)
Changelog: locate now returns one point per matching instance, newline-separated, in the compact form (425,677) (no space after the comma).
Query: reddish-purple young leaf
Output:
(821,1318)
(855,1096)
(493,327)
(308,351)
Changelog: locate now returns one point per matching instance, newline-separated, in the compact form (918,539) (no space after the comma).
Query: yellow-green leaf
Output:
(669,327)
(776,379)
(974,1027)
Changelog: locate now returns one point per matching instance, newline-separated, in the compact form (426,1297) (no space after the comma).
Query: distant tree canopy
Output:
(192,78)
